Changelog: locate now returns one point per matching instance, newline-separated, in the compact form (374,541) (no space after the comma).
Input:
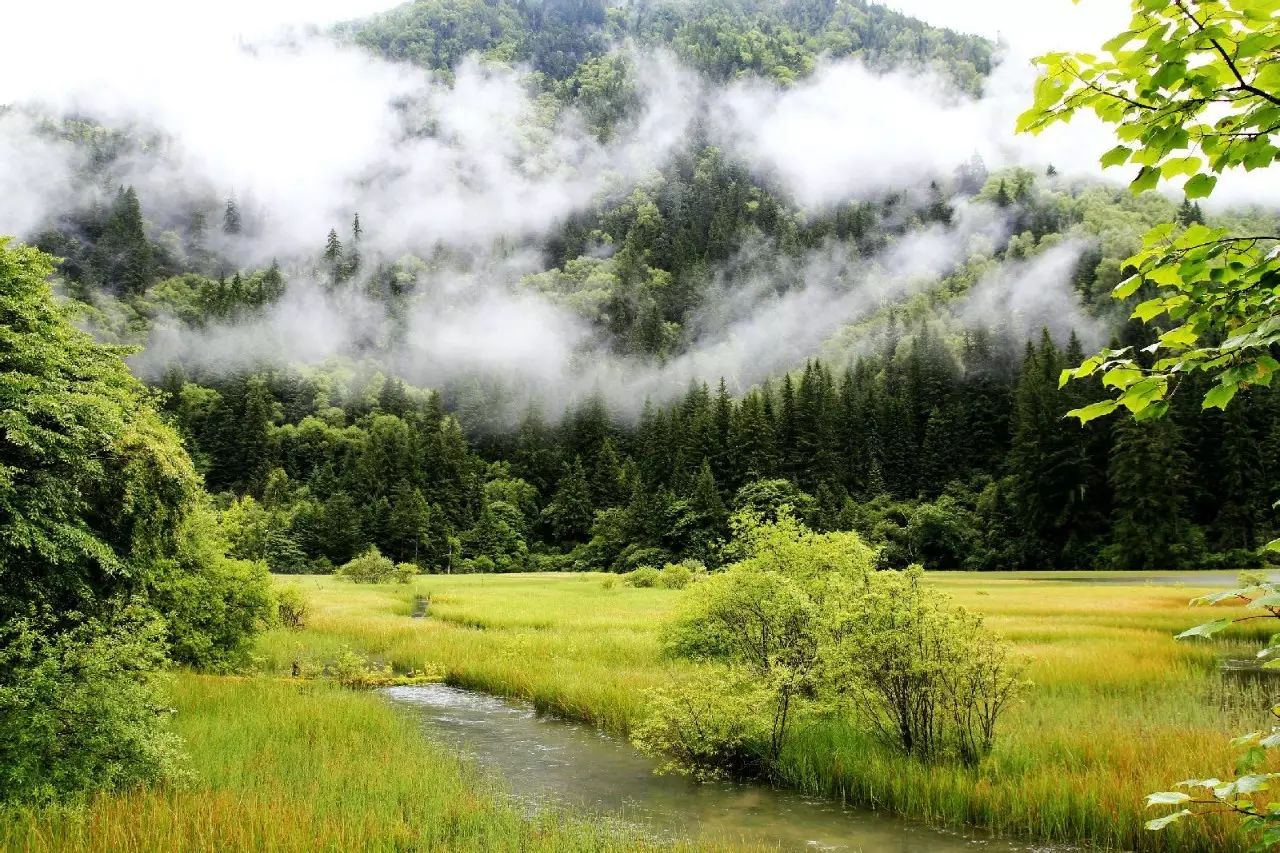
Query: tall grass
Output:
(1117,708)
(280,766)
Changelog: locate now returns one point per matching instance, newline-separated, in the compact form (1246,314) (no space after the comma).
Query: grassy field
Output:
(1117,709)
(289,766)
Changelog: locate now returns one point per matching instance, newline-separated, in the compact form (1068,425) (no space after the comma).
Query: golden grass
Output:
(302,766)
(1117,708)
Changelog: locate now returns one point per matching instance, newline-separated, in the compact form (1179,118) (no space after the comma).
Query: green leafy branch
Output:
(1193,89)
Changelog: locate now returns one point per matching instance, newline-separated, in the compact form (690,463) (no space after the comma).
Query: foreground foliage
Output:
(1186,83)
(1194,91)
(111,562)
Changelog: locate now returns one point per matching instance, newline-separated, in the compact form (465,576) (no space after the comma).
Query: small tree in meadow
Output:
(369,567)
(924,673)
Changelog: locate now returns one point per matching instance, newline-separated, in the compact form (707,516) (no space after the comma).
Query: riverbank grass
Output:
(1117,708)
(281,765)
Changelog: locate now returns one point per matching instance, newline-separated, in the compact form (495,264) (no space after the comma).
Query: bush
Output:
(405,572)
(803,624)
(678,575)
(644,577)
(609,582)
(291,607)
(213,605)
(369,567)
(701,728)
(924,673)
(81,708)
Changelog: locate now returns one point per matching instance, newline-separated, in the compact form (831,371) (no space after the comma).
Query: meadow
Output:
(280,765)
(1117,708)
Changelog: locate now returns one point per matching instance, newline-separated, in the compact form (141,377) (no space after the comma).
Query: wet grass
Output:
(1117,709)
(303,766)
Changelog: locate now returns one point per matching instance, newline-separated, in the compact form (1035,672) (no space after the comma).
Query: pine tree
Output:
(333,258)
(570,513)
(231,218)
(272,283)
(408,526)
(353,250)
(1050,464)
(123,258)
(607,486)
(1148,474)
(341,535)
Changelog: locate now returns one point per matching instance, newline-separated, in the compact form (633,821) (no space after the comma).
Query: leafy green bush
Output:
(369,567)
(405,572)
(644,577)
(81,708)
(922,672)
(804,622)
(291,606)
(213,605)
(679,575)
(703,728)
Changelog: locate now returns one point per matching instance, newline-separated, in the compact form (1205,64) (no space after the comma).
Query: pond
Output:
(544,761)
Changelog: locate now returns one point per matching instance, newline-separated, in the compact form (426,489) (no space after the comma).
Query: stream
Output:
(544,761)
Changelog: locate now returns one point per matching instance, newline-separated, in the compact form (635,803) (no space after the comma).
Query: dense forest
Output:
(932,428)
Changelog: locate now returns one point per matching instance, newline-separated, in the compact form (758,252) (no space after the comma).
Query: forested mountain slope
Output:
(554,372)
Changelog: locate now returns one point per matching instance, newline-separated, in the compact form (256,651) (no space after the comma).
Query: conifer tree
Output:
(231,218)
(1148,474)
(333,258)
(607,486)
(123,258)
(570,512)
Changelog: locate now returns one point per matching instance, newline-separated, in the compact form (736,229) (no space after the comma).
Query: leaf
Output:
(1127,288)
(1162,822)
(1219,396)
(1117,156)
(1093,411)
(1167,798)
(1121,377)
(1147,179)
(1200,186)
(1208,629)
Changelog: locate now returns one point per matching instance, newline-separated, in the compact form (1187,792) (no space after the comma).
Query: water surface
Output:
(543,761)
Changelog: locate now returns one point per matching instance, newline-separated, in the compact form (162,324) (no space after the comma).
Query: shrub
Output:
(679,575)
(369,567)
(702,728)
(81,708)
(609,582)
(405,572)
(924,673)
(213,605)
(644,577)
(291,606)
(804,619)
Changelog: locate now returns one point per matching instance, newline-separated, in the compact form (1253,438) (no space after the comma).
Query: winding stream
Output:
(545,761)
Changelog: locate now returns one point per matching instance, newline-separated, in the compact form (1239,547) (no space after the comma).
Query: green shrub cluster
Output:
(804,624)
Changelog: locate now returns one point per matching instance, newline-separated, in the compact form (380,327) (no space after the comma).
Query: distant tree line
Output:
(957,459)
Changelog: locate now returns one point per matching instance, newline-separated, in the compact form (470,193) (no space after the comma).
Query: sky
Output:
(1029,27)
